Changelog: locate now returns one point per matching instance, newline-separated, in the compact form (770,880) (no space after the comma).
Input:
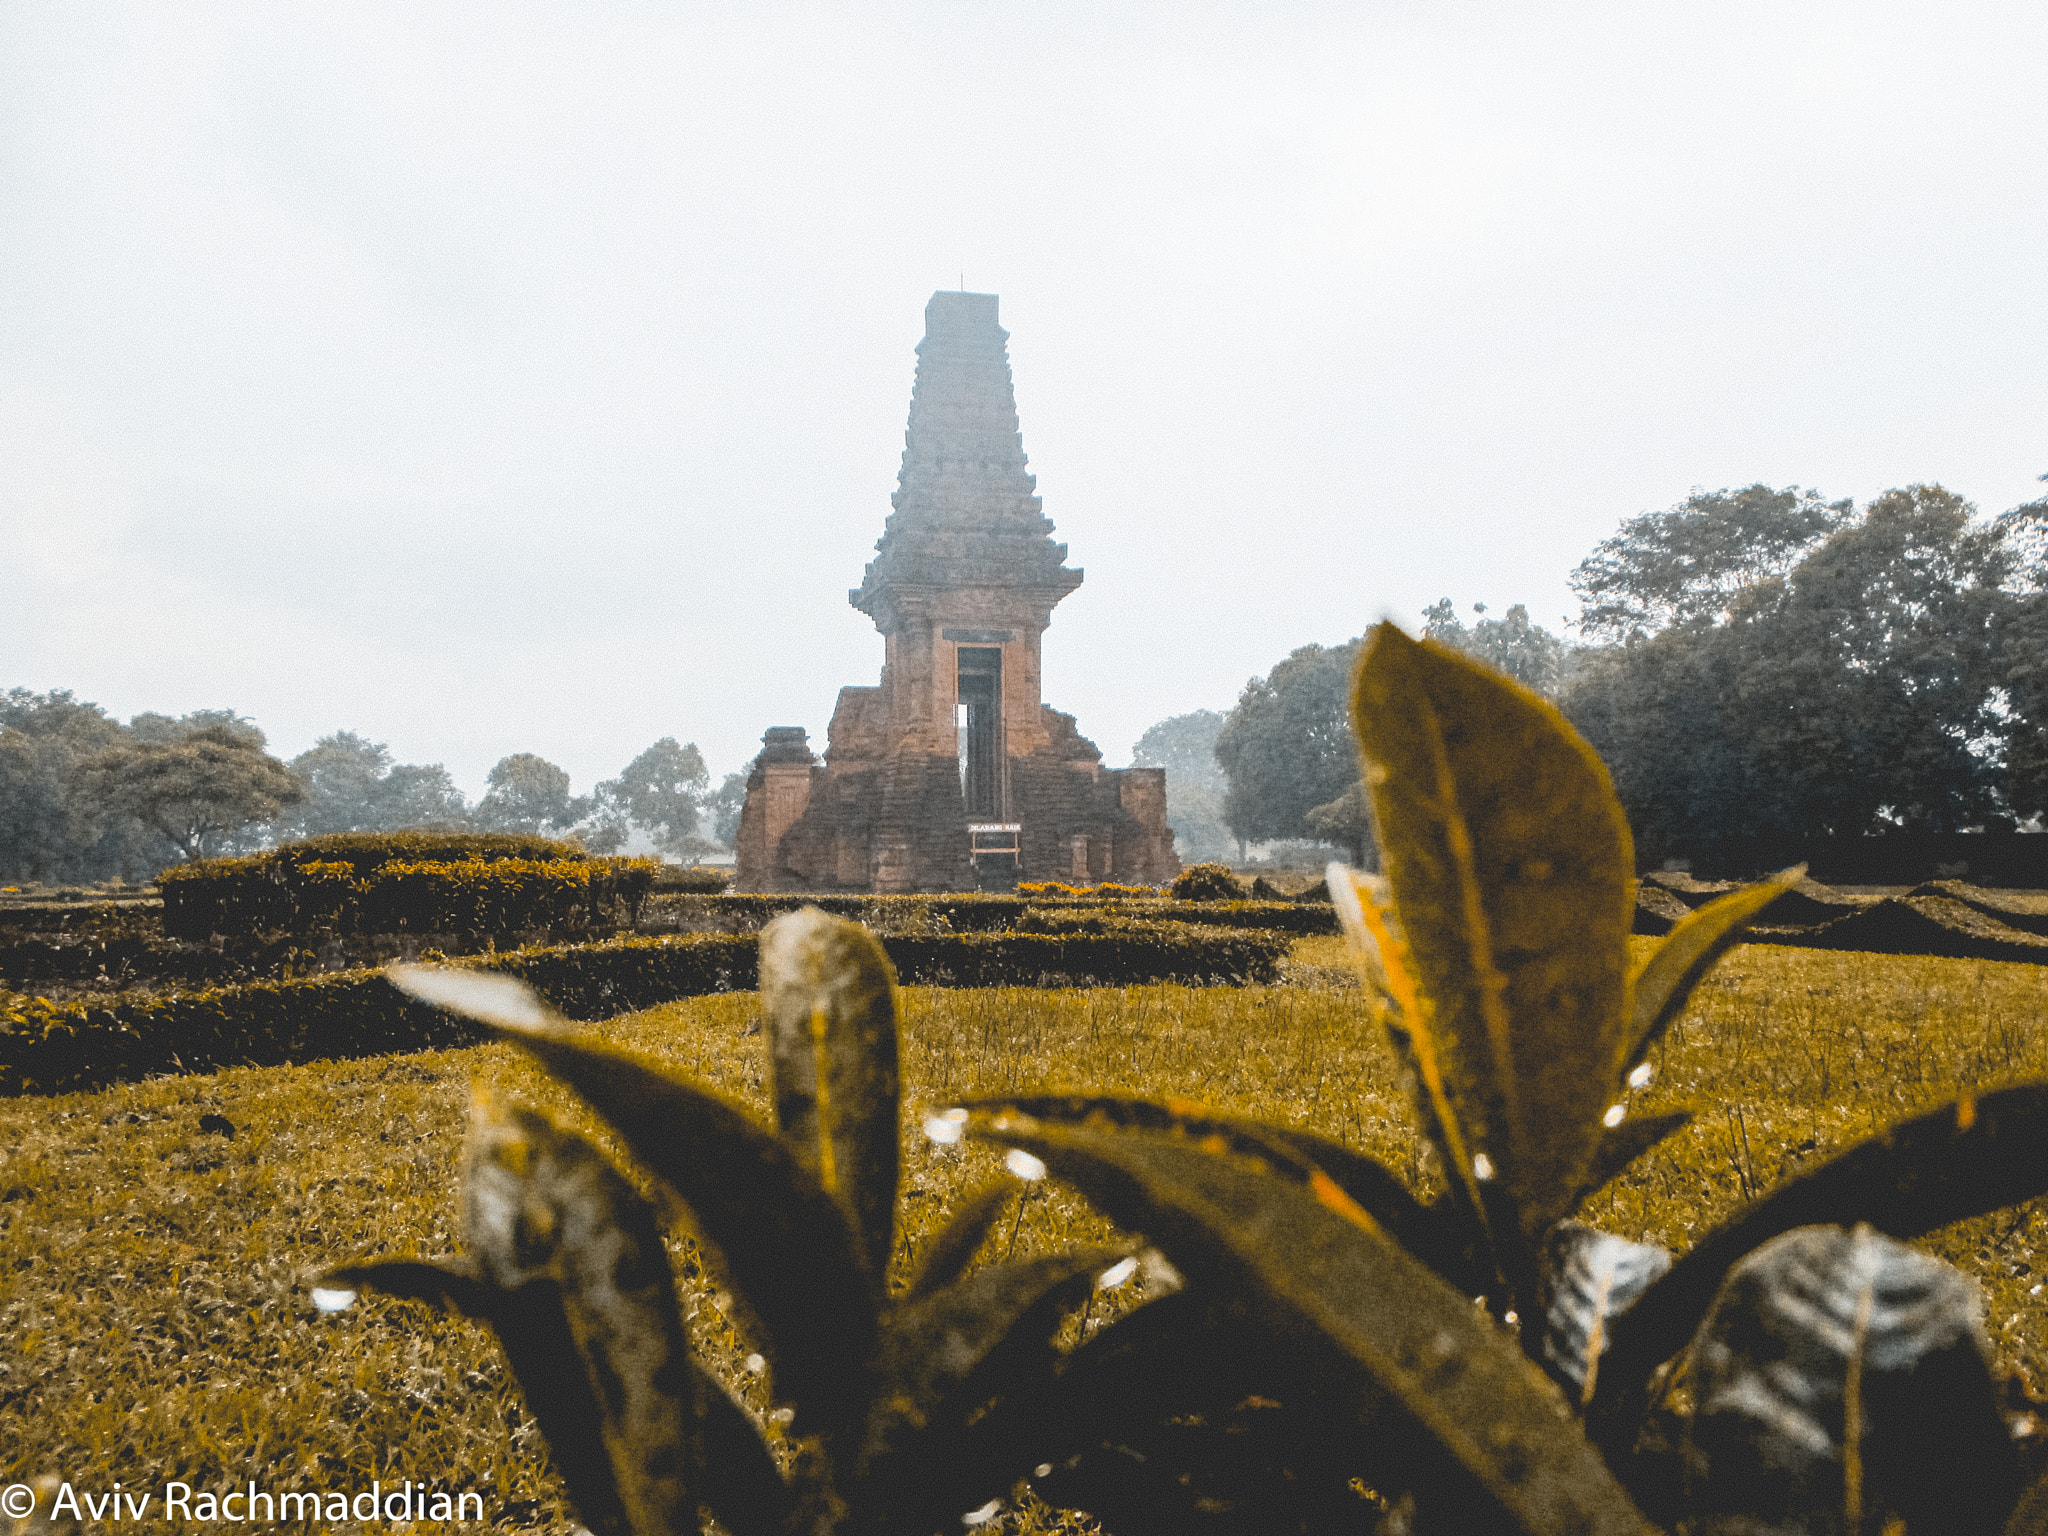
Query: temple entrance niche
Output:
(979,715)
(962,588)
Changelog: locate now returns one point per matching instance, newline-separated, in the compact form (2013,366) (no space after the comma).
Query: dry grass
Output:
(154,1302)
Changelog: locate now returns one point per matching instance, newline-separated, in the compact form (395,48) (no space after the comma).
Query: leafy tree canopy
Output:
(1693,563)
(661,792)
(196,790)
(1185,746)
(1861,689)
(1287,746)
(723,807)
(1527,652)
(528,794)
(353,786)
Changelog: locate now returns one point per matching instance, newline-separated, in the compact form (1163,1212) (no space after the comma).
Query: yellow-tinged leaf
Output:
(1688,952)
(1510,865)
(829,995)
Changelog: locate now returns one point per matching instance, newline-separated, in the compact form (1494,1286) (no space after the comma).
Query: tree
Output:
(528,794)
(1185,746)
(1856,692)
(1287,747)
(2023,660)
(43,835)
(1528,653)
(422,795)
(196,791)
(661,792)
(723,808)
(1347,821)
(1692,563)
(353,786)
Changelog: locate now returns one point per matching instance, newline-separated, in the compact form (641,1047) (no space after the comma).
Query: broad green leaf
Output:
(1510,866)
(2030,1517)
(939,1362)
(788,1246)
(1687,953)
(500,1000)
(1494,1450)
(533,1330)
(1286,1151)
(1972,1155)
(947,1255)
(741,1483)
(543,1204)
(1182,1418)
(450,1289)
(1624,1143)
(830,1001)
(532,1325)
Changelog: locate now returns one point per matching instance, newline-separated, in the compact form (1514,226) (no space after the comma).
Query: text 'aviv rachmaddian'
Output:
(953,773)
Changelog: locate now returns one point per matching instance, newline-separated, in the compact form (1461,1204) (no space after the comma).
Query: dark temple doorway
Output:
(979,719)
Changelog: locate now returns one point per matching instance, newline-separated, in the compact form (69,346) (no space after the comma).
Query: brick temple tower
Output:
(953,773)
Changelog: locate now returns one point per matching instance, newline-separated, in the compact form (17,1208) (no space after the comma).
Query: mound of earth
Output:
(2026,911)
(1927,925)
(1657,910)
(1809,904)
(1694,893)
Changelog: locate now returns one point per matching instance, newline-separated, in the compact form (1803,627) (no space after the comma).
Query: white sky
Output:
(506,377)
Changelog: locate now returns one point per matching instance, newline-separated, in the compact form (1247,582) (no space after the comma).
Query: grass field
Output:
(153,1296)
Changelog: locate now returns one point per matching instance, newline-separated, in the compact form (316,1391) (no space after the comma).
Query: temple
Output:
(953,774)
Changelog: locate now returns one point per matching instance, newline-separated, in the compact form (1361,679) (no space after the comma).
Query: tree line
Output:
(84,797)
(1758,668)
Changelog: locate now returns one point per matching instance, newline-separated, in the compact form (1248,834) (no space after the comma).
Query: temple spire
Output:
(965,509)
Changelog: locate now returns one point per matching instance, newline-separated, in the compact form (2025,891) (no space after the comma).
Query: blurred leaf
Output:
(1510,865)
(788,1246)
(1622,1144)
(1590,1277)
(1962,1159)
(1495,1450)
(830,1001)
(1687,953)
(1182,1418)
(2030,1517)
(741,1483)
(532,1325)
(543,1204)
(499,1000)
(954,1246)
(1843,1382)
(940,1361)
(452,1290)
(1287,1152)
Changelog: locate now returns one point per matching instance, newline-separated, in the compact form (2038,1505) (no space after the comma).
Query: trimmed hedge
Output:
(1208,882)
(504,895)
(369,850)
(994,914)
(62,1048)
(126,915)
(1143,952)
(66,1047)
(697,880)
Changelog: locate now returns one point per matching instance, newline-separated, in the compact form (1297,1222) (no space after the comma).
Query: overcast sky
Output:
(507,378)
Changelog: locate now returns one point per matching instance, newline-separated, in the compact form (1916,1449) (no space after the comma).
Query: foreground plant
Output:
(1343,1351)
(565,1261)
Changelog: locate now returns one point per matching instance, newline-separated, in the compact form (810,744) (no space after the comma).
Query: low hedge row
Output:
(244,896)
(369,850)
(66,1047)
(994,914)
